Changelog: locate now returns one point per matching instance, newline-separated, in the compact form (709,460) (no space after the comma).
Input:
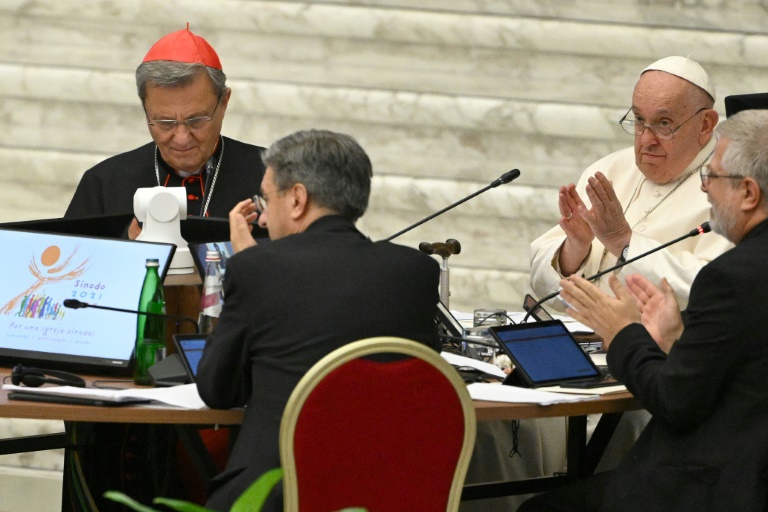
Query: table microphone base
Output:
(168,372)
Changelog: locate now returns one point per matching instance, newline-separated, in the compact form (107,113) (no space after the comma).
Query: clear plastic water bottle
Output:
(212,299)
(150,330)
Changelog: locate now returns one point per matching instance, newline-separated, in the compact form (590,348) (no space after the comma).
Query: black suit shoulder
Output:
(705,447)
(321,249)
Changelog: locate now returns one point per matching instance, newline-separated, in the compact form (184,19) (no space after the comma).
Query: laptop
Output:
(189,347)
(546,354)
(42,270)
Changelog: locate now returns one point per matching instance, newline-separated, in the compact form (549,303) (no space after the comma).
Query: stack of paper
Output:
(185,396)
(503,393)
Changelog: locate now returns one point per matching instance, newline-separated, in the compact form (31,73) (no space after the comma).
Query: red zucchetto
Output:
(184,46)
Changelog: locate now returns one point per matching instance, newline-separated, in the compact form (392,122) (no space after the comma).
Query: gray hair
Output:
(167,73)
(747,152)
(698,96)
(332,166)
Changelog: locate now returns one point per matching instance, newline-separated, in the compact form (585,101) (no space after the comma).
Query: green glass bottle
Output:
(150,330)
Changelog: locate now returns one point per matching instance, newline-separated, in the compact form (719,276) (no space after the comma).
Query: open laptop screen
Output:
(42,270)
(190,349)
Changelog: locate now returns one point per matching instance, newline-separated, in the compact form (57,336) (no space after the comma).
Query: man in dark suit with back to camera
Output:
(318,285)
(703,375)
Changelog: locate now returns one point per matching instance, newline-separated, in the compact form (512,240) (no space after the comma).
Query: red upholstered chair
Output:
(384,436)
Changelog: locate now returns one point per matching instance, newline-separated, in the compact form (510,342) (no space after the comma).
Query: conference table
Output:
(182,299)
(582,456)
(185,423)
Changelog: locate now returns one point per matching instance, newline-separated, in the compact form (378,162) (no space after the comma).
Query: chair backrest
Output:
(359,432)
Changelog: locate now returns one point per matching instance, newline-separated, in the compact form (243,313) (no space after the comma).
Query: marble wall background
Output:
(445,95)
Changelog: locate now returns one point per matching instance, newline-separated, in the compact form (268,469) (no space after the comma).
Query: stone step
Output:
(445,95)
(447,52)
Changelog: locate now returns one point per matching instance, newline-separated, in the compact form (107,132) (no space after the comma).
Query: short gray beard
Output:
(721,223)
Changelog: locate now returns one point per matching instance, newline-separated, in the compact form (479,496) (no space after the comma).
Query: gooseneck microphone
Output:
(76,304)
(704,228)
(504,178)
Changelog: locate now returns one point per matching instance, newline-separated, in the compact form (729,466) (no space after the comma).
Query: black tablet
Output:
(546,354)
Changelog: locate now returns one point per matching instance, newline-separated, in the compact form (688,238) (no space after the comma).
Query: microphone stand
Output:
(505,178)
(704,228)
(76,304)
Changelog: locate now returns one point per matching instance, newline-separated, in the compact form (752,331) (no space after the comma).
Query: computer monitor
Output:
(115,226)
(738,102)
(195,230)
(42,270)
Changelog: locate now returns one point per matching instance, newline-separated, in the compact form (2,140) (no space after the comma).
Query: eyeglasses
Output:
(662,131)
(260,201)
(706,174)
(192,124)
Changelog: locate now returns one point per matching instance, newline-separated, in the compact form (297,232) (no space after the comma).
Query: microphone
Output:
(504,178)
(76,304)
(700,230)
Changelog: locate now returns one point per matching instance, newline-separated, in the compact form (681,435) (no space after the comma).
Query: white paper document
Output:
(514,394)
(185,396)
(488,368)
(604,390)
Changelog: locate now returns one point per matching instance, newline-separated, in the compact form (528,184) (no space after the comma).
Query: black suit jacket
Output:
(706,447)
(288,304)
(108,187)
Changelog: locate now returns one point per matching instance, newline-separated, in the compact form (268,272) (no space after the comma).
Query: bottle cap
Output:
(153,262)
(212,256)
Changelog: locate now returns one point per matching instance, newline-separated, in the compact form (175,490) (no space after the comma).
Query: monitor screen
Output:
(190,349)
(42,270)
(738,102)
